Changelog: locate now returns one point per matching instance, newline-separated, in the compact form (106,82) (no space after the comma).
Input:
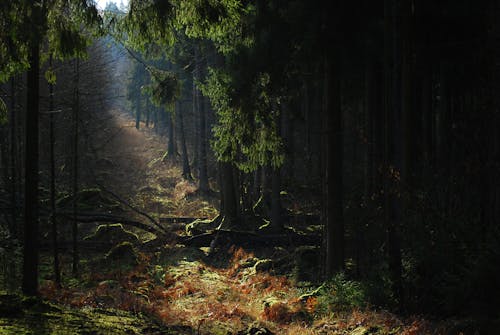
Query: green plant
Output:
(340,294)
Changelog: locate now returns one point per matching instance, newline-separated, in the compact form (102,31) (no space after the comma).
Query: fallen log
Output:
(179,219)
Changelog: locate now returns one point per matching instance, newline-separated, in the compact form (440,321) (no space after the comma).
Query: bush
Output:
(340,294)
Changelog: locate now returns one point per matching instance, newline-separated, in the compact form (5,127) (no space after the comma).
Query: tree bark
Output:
(229,205)
(13,154)
(392,166)
(186,169)
(53,218)
(30,254)
(334,160)
(148,112)
(203,186)
(171,137)
(138,105)
(76,112)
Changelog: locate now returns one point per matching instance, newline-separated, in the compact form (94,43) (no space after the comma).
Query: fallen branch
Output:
(109,218)
(138,211)
(179,219)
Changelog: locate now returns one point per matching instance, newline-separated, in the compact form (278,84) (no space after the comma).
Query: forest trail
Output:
(131,162)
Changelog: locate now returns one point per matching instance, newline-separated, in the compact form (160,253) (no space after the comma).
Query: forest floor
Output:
(150,283)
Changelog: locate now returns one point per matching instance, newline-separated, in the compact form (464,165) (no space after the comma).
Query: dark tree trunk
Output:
(53,218)
(171,136)
(410,152)
(148,112)
(196,154)
(155,120)
(369,114)
(392,155)
(334,148)
(427,115)
(334,203)
(276,208)
(138,105)
(229,205)
(186,169)
(30,254)
(203,186)
(13,154)
(76,112)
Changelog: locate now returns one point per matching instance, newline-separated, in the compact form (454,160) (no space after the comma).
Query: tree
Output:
(42,20)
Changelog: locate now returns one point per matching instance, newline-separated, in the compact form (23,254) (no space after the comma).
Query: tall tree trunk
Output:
(203,186)
(334,151)
(138,105)
(155,120)
(196,95)
(186,169)
(171,136)
(410,152)
(229,200)
(13,154)
(76,112)
(148,112)
(276,208)
(427,115)
(370,106)
(53,219)
(391,184)
(334,159)
(30,254)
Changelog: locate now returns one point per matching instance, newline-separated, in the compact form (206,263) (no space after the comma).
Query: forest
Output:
(249,167)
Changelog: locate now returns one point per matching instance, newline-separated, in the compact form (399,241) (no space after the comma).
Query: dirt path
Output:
(131,163)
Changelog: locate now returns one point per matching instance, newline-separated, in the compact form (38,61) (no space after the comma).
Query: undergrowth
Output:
(216,300)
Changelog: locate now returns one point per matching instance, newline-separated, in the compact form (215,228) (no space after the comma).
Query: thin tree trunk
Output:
(138,105)
(171,138)
(334,203)
(155,120)
(276,208)
(13,154)
(30,254)
(203,186)
(391,102)
(370,105)
(186,169)
(57,273)
(148,112)
(196,154)
(75,170)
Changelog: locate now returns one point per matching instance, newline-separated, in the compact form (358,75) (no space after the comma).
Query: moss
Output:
(42,318)
(83,322)
(263,265)
(201,226)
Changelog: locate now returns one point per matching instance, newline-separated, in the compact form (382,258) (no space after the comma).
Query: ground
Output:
(155,286)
